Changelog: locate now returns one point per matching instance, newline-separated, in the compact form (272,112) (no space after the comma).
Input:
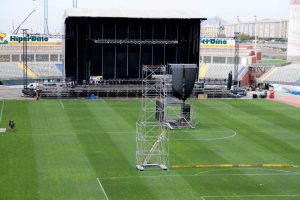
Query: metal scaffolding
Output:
(160,112)
(152,135)
(131,41)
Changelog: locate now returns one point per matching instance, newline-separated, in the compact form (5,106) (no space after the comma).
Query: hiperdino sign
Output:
(217,43)
(31,40)
(15,38)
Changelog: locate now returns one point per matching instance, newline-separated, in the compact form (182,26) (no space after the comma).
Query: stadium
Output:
(44,58)
(138,105)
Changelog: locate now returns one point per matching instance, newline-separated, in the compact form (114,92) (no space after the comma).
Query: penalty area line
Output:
(1,111)
(245,196)
(102,189)
(62,105)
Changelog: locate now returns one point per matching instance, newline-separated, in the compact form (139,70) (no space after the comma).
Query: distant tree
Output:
(244,37)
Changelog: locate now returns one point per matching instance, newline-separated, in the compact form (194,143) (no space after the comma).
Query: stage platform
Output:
(102,91)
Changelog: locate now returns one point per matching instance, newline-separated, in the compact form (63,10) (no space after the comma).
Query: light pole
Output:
(24,59)
(255,34)
(236,60)
(74,3)
(238,24)
(46,30)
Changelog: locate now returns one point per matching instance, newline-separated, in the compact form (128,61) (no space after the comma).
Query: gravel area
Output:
(11,92)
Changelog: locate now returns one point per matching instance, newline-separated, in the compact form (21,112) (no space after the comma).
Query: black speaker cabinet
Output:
(183,79)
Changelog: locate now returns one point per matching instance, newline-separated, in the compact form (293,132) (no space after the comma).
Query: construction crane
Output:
(15,32)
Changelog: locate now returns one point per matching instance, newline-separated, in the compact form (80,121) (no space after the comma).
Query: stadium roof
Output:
(121,13)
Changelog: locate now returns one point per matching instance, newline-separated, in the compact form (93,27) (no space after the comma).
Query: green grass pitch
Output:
(85,150)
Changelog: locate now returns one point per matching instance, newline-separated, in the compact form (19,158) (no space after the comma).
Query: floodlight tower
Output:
(24,57)
(238,24)
(46,29)
(74,3)
(255,34)
(236,60)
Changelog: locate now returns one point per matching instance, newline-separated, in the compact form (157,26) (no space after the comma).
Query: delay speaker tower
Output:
(183,79)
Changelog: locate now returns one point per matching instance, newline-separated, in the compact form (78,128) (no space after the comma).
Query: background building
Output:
(210,31)
(293,50)
(222,51)
(265,28)
(213,27)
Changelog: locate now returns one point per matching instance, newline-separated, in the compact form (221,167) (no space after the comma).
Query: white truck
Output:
(33,86)
(31,89)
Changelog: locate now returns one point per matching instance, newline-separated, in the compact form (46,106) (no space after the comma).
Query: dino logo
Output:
(2,38)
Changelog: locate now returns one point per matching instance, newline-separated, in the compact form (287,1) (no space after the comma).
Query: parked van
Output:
(33,86)
(31,89)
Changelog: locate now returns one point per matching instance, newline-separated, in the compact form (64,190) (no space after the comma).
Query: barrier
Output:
(232,166)
(272,94)
(296,92)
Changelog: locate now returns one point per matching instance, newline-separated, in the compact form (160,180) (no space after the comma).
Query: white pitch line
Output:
(241,196)
(202,175)
(62,105)
(265,174)
(102,189)
(1,111)
(283,172)
(209,139)
(71,133)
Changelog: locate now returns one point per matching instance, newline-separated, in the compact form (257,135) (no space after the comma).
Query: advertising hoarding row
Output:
(7,39)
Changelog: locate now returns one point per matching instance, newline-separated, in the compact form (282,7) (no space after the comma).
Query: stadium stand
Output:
(45,70)
(59,67)
(220,71)
(289,74)
(30,73)
(203,70)
(10,71)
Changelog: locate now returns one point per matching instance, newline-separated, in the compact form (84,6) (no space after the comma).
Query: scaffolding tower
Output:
(152,135)
(160,112)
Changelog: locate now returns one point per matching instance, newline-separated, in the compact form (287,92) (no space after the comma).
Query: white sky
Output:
(13,12)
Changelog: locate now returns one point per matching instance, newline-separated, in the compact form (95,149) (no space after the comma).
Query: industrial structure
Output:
(114,44)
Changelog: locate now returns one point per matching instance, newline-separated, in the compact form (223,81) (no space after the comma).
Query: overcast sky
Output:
(13,12)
